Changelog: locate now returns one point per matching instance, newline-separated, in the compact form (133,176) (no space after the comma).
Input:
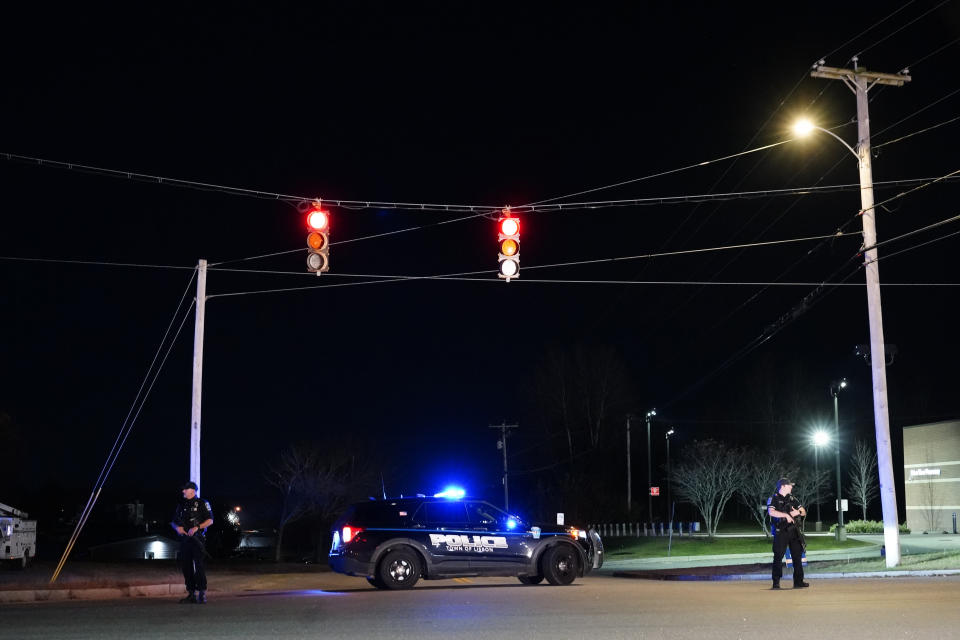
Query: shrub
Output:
(866,526)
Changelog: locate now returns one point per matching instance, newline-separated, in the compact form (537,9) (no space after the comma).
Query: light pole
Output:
(820,438)
(835,388)
(669,502)
(650,415)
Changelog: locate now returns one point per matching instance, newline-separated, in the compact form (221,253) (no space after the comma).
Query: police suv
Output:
(396,541)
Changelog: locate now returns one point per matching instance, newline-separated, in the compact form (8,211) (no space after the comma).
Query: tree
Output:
(710,474)
(762,469)
(290,475)
(863,476)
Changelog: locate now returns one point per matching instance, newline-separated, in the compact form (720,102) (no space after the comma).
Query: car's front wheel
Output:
(530,579)
(560,564)
(399,569)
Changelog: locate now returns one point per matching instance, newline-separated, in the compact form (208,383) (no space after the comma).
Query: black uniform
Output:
(786,534)
(190,513)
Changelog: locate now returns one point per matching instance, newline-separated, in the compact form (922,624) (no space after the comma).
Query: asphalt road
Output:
(595,607)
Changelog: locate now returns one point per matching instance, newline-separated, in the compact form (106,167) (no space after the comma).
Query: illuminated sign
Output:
(455,542)
(924,472)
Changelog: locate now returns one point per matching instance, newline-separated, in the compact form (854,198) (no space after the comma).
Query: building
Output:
(145,548)
(931,472)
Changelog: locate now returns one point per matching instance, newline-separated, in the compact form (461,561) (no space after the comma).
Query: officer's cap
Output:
(780,482)
(189,485)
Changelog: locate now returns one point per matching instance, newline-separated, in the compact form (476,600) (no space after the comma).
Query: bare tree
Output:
(762,469)
(863,476)
(291,476)
(709,475)
(810,484)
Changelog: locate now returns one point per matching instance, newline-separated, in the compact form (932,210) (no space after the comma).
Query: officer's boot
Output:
(190,599)
(202,597)
(776,584)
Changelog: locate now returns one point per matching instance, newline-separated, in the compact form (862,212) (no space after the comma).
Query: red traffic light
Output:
(509,226)
(318,220)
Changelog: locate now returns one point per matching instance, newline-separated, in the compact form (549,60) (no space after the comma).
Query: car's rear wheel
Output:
(560,564)
(399,569)
(530,579)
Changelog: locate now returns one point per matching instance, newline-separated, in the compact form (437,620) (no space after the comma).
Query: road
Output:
(595,607)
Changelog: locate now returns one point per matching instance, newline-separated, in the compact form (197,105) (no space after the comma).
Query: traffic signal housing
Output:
(508,236)
(318,240)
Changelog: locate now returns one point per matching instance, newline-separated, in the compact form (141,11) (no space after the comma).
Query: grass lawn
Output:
(918,562)
(655,547)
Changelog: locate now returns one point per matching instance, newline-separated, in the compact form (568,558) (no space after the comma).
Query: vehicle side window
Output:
(483,514)
(442,513)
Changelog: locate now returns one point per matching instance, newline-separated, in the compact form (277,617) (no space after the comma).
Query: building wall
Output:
(931,471)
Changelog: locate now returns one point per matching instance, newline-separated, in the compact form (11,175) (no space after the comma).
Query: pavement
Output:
(95,581)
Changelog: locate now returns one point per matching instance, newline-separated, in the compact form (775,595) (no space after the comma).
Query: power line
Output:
(933,53)
(868,29)
(910,135)
(889,35)
(94,263)
(917,112)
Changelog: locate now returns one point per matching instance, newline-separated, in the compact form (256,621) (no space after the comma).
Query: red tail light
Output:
(349,533)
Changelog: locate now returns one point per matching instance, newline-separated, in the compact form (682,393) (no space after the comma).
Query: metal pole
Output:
(669,501)
(650,414)
(629,480)
(841,533)
(197,373)
(816,474)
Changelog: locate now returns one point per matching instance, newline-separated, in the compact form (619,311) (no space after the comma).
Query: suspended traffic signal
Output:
(508,235)
(318,240)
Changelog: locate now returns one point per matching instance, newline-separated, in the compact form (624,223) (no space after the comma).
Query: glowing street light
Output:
(835,388)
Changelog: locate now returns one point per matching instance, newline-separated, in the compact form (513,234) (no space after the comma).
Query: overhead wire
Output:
(893,33)
(125,427)
(915,133)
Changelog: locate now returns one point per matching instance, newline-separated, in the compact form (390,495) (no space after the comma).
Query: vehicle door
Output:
(446,528)
(503,539)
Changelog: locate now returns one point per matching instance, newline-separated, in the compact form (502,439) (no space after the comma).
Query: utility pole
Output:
(650,415)
(502,444)
(859,80)
(629,477)
(197,373)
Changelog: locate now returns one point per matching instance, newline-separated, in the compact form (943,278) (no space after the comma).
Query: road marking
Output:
(463,580)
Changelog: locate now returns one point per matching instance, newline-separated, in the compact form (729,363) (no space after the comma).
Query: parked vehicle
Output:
(18,537)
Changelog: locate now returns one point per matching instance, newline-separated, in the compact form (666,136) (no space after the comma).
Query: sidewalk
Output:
(756,566)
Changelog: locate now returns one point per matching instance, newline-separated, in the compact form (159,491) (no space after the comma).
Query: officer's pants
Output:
(192,562)
(781,540)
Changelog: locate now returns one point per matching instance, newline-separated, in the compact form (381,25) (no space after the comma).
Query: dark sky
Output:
(438,103)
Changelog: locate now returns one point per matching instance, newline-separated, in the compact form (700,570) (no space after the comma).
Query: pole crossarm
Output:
(850,75)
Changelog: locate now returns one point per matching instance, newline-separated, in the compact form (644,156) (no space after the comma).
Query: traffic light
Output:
(318,240)
(508,235)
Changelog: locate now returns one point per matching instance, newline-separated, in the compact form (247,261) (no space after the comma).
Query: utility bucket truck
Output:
(18,536)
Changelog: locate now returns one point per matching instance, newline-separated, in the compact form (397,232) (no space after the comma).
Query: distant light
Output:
(454,493)
(803,127)
(670,433)
(237,509)
(820,437)
(843,383)
(511,523)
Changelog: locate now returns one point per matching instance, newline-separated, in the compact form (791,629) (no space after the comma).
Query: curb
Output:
(765,576)
(100,593)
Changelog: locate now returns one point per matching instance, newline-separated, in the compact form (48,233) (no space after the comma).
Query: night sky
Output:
(440,103)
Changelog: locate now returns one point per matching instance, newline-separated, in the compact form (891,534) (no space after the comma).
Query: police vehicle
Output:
(395,542)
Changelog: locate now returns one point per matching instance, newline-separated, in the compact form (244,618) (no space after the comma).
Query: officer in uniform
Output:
(190,520)
(783,509)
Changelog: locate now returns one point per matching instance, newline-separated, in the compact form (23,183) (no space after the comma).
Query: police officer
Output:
(783,509)
(190,520)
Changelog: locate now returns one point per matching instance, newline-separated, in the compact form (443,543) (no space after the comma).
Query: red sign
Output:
(654,491)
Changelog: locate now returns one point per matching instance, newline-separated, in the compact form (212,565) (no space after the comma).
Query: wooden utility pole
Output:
(197,373)
(502,444)
(860,81)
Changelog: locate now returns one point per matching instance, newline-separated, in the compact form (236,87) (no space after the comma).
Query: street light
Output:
(835,388)
(820,438)
(669,502)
